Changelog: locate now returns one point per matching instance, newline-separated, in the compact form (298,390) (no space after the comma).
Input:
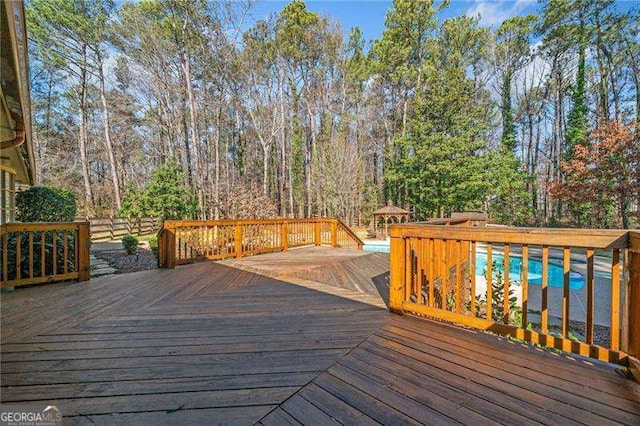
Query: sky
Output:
(369,14)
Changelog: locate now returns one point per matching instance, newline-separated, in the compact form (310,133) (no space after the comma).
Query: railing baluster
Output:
(5,257)
(431,271)
(615,300)
(472,276)
(566,294)
(18,255)
(43,263)
(458,276)
(409,261)
(525,285)
(544,317)
(444,273)
(420,267)
(590,296)
(489,301)
(65,244)
(507,285)
(30,254)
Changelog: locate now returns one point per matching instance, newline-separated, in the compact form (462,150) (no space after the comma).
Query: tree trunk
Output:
(115,180)
(195,136)
(82,139)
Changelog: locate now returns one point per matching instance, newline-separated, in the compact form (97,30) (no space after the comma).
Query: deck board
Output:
(277,339)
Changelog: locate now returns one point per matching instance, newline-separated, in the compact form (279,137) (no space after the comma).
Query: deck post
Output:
(633,292)
(284,235)
(238,240)
(170,248)
(317,226)
(396,274)
(82,259)
(334,233)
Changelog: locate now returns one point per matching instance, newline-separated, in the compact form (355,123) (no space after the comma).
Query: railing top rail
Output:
(562,237)
(187,223)
(445,221)
(40,226)
(350,232)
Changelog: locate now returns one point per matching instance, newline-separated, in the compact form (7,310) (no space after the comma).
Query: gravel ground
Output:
(125,263)
(601,333)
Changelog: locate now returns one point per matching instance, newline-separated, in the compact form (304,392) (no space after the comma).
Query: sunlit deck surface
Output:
(286,338)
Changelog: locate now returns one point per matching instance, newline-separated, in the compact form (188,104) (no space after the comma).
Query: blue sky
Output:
(369,14)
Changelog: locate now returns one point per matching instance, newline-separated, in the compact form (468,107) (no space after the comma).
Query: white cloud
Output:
(493,13)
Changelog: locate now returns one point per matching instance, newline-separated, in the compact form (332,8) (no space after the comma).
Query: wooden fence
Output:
(34,253)
(112,228)
(434,274)
(182,242)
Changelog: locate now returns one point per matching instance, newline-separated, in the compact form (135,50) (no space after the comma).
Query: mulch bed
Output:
(124,263)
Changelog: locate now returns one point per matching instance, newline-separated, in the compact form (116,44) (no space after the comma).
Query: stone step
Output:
(99,267)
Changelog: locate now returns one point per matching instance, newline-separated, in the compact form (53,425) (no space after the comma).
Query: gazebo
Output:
(389,214)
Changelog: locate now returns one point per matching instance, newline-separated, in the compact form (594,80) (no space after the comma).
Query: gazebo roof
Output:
(390,209)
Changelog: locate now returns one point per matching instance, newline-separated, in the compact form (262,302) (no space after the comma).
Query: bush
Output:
(130,244)
(45,204)
(165,195)
(153,244)
(22,257)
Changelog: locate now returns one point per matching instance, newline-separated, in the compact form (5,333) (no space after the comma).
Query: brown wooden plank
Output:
(566,295)
(591,297)
(371,368)
(507,284)
(204,381)
(306,413)
(600,377)
(339,410)
(383,393)
(615,300)
(361,401)
(623,411)
(468,398)
(525,286)
(279,417)
(489,298)
(232,416)
(544,304)
(484,393)
(584,238)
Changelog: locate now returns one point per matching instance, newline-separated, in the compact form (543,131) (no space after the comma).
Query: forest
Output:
(193,108)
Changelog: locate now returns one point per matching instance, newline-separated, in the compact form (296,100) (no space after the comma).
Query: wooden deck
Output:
(285,338)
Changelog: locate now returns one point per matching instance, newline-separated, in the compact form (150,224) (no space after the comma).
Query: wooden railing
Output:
(34,253)
(182,242)
(110,228)
(550,288)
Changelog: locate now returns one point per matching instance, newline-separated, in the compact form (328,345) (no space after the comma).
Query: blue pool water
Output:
(380,248)
(556,273)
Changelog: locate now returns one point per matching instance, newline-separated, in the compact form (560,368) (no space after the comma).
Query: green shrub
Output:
(165,195)
(130,244)
(153,243)
(45,204)
(22,257)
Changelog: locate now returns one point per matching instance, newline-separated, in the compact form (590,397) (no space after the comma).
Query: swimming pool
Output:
(556,273)
(380,248)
